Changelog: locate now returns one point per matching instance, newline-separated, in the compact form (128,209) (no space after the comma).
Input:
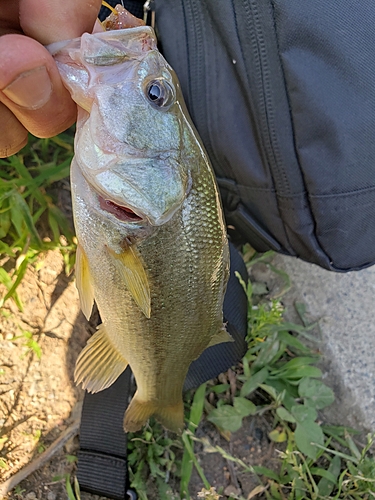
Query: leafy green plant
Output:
(37,438)
(334,475)
(280,365)
(18,491)
(73,494)
(28,209)
(71,459)
(318,462)
(188,458)
(152,453)
(29,343)
(229,417)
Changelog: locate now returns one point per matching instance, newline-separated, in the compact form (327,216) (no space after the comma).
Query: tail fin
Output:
(138,412)
(171,417)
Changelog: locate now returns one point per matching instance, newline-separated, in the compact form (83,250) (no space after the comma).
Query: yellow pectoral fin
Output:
(130,266)
(83,282)
(99,364)
(221,336)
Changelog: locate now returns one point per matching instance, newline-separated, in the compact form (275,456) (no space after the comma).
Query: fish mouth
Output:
(122,213)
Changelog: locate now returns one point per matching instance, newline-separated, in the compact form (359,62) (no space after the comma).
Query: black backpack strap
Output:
(102,465)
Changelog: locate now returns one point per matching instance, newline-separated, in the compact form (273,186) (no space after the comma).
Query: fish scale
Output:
(159,276)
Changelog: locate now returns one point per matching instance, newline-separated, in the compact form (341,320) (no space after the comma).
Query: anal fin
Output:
(83,282)
(99,364)
(132,271)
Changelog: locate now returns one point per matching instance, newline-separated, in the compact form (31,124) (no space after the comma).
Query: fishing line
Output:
(105,4)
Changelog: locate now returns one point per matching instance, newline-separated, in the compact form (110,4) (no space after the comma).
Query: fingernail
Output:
(31,89)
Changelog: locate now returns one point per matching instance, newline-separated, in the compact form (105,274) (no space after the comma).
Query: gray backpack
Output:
(282,93)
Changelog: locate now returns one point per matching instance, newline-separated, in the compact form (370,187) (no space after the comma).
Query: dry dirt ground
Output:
(38,399)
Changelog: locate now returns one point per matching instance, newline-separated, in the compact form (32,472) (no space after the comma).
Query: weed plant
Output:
(30,220)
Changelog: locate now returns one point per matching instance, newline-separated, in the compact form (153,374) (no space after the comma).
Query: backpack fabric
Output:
(282,93)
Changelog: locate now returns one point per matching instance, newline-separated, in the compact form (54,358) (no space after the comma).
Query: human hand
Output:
(32,95)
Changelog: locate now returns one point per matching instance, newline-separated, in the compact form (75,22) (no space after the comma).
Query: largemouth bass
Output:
(152,245)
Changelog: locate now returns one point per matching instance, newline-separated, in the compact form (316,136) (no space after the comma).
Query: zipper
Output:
(255,54)
(195,31)
(264,97)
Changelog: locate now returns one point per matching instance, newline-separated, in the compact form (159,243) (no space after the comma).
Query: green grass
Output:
(30,220)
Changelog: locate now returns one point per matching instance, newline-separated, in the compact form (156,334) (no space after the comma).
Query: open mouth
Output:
(122,213)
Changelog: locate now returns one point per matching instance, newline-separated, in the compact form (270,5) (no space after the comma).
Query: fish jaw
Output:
(153,188)
(114,225)
(148,190)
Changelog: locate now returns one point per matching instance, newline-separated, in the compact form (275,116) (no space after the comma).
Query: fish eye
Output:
(159,93)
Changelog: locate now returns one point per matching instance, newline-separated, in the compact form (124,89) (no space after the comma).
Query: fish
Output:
(152,245)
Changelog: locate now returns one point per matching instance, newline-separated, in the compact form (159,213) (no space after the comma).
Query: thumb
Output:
(30,83)
(51,21)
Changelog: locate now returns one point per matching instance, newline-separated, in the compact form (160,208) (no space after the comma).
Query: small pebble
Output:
(32,389)
(72,445)
(30,496)
(51,495)
(232,491)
